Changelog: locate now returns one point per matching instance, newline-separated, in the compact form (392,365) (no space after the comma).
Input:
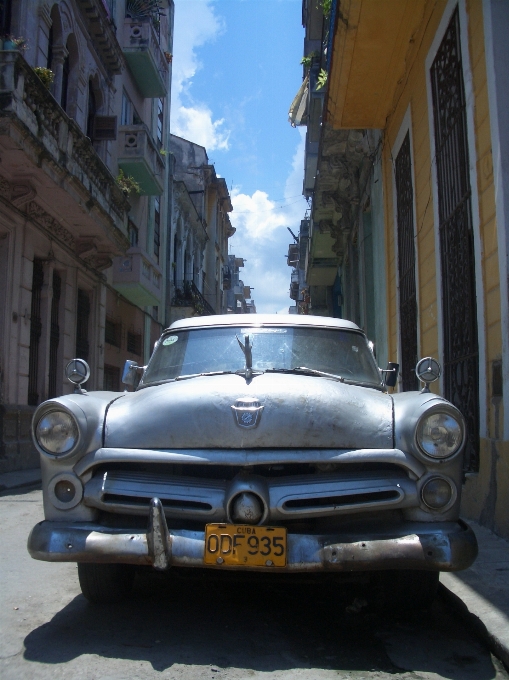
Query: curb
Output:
(474,623)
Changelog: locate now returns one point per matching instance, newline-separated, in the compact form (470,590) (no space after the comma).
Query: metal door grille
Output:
(406,266)
(35,333)
(461,356)
(82,316)
(54,336)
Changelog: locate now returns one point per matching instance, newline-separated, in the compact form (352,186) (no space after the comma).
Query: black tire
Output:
(407,590)
(105,583)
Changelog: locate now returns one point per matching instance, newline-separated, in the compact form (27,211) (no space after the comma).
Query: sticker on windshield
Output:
(355,349)
(170,340)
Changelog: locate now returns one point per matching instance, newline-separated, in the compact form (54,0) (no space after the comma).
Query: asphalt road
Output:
(182,629)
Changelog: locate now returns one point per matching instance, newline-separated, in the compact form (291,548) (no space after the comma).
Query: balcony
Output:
(188,295)
(145,57)
(63,184)
(139,158)
(137,278)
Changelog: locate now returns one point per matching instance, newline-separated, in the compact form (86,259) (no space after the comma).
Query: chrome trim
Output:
(248,457)
(450,546)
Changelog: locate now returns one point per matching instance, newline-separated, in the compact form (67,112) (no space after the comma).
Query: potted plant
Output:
(11,43)
(127,183)
(45,74)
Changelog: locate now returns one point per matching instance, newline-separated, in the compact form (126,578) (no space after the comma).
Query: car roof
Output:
(256,320)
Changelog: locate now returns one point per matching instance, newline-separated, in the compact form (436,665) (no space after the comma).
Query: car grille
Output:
(291,491)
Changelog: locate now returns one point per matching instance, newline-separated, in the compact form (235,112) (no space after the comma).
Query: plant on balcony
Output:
(45,74)
(322,79)
(12,43)
(127,183)
(326,6)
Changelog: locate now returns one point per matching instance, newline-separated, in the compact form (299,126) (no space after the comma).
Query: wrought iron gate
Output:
(461,355)
(35,333)
(406,266)
(82,316)
(54,336)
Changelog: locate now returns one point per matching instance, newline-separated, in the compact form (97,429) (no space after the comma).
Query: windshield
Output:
(189,352)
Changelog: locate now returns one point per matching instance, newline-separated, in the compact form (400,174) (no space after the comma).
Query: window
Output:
(134,343)
(133,234)
(112,333)
(35,332)
(111,382)
(65,82)
(92,110)
(129,115)
(54,336)
(157,226)
(160,121)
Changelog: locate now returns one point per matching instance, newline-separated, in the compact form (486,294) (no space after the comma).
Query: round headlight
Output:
(436,493)
(57,432)
(439,435)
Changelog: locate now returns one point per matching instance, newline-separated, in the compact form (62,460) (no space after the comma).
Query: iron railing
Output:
(188,295)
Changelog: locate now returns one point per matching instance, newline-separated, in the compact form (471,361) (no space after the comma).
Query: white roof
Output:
(255,320)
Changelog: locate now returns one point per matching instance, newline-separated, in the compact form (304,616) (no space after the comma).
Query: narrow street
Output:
(180,629)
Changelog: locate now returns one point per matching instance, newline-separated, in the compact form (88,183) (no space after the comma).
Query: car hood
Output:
(298,412)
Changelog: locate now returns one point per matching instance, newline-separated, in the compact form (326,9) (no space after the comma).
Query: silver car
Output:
(266,443)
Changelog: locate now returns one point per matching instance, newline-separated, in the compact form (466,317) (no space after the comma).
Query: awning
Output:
(298,113)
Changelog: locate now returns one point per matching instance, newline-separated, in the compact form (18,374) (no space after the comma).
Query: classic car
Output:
(264,443)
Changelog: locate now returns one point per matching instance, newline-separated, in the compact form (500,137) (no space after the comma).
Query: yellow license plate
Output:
(241,545)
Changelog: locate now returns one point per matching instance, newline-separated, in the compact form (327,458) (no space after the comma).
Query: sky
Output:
(236,70)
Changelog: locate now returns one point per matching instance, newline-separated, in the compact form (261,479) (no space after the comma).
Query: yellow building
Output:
(410,204)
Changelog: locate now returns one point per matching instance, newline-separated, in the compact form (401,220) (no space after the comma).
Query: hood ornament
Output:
(246,348)
(247,412)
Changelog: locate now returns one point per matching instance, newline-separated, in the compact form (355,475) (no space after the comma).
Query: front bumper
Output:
(446,546)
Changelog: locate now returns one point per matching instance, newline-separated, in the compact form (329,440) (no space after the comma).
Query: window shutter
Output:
(104,127)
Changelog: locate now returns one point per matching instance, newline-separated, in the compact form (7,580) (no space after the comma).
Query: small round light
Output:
(57,432)
(65,491)
(439,435)
(436,493)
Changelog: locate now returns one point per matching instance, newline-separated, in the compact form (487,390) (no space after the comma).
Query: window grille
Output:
(461,355)
(35,332)
(134,344)
(111,381)
(54,336)
(406,266)
(112,333)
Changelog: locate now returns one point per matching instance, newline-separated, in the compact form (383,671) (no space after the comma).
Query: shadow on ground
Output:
(259,626)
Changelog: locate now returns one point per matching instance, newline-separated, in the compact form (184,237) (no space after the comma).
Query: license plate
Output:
(241,545)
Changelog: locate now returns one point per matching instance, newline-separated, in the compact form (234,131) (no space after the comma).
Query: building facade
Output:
(84,112)
(411,195)
(199,233)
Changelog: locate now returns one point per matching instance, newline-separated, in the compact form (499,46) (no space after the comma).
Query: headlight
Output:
(57,432)
(439,435)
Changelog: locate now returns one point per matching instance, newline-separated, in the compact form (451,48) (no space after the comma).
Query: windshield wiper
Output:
(306,371)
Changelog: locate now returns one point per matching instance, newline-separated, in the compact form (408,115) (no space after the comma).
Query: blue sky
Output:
(236,70)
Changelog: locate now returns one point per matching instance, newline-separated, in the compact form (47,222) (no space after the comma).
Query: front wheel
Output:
(105,583)
(406,590)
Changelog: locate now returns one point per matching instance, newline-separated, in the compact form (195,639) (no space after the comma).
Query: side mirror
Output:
(391,374)
(130,372)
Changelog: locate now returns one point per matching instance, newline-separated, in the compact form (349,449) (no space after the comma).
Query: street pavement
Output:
(185,630)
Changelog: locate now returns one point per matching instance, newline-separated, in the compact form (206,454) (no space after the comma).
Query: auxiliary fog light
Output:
(437,493)
(65,491)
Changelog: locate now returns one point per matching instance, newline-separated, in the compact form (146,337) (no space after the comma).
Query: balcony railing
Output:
(138,278)
(145,58)
(139,158)
(188,295)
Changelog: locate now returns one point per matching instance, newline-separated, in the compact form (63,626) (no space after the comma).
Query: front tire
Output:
(105,583)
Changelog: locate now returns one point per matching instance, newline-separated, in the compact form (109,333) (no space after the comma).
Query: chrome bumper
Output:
(448,546)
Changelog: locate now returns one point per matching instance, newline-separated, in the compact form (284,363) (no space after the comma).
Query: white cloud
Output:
(262,238)
(195,24)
